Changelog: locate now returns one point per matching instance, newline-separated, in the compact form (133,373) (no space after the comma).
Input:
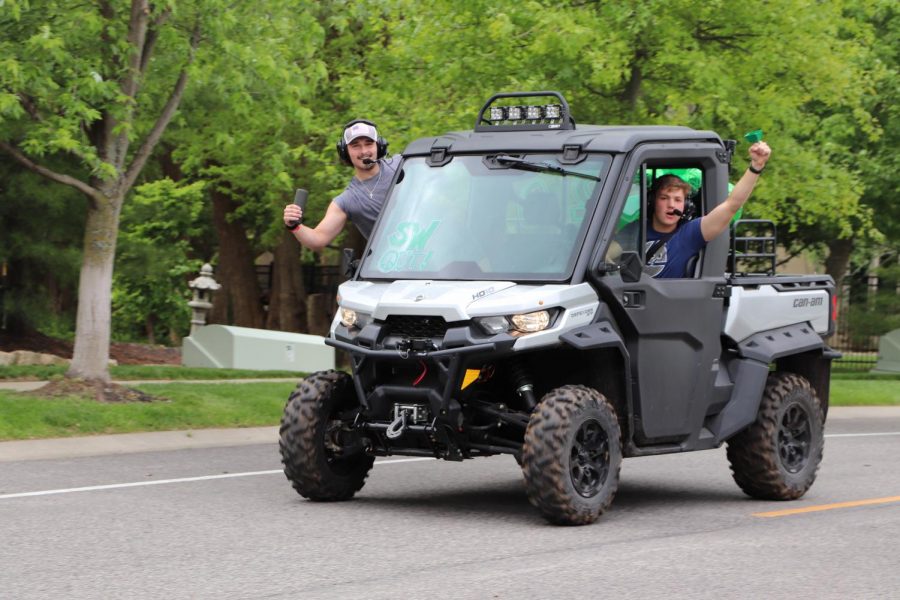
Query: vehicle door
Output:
(671,326)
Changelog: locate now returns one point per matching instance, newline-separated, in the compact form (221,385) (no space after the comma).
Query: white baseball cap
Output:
(358,130)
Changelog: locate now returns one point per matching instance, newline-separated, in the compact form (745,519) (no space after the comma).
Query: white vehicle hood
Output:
(456,300)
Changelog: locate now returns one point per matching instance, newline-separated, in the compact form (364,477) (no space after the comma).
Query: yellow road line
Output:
(809,509)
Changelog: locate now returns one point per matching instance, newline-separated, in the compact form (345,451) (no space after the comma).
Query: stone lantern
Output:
(203,287)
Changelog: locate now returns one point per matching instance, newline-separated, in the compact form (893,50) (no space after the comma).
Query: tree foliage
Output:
(155,260)
(243,102)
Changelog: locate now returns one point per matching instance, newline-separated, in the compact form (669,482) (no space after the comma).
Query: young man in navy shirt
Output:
(671,241)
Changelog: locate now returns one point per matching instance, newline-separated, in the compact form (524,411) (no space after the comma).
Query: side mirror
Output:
(606,268)
(349,262)
(630,266)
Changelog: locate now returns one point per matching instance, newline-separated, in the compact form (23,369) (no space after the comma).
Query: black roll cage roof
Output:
(586,138)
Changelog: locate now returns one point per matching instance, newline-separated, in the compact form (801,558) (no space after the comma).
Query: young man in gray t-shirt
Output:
(361,202)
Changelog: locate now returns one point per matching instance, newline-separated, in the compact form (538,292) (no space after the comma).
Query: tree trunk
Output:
(149,330)
(90,357)
(836,265)
(287,298)
(238,302)
(320,311)
(838,260)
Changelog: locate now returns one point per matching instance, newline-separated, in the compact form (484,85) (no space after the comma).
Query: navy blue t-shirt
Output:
(671,260)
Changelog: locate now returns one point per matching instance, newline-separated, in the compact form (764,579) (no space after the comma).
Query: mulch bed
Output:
(96,390)
(122,353)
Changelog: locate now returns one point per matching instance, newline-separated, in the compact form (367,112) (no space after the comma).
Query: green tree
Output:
(718,65)
(263,122)
(154,260)
(100,84)
(875,157)
(235,134)
(41,224)
(83,81)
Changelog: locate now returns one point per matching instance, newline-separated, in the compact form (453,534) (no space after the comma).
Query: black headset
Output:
(688,212)
(344,154)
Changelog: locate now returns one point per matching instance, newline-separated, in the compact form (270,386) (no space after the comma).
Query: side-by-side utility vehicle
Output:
(499,309)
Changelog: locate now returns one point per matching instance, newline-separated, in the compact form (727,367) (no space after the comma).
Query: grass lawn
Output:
(204,405)
(865,392)
(188,406)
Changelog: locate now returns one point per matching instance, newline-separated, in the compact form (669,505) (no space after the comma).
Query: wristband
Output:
(755,170)
(293,228)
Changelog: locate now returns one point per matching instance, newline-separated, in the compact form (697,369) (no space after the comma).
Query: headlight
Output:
(493,325)
(531,322)
(348,317)
(516,324)
(351,318)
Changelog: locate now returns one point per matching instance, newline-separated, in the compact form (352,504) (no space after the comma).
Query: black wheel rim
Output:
(794,438)
(333,443)
(589,459)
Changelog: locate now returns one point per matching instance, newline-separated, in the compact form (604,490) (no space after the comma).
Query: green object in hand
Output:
(754,136)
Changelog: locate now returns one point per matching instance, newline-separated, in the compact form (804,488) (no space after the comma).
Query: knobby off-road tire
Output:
(572,455)
(776,458)
(311,437)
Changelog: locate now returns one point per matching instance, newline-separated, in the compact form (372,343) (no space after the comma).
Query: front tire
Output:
(314,441)
(777,457)
(572,455)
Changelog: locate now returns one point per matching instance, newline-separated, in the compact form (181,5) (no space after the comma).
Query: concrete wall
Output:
(227,347)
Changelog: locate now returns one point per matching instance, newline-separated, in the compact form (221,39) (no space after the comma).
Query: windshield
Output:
(476,218)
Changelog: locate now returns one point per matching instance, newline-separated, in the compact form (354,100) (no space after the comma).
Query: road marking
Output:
(821,507)
(837,435)
(384,462)
(114,486)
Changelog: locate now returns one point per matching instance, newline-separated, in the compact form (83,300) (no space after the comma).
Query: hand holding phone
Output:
(300,197)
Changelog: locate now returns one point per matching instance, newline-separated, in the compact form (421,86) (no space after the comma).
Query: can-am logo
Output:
(805,302)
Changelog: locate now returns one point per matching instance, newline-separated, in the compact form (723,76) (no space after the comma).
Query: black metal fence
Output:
(859,352)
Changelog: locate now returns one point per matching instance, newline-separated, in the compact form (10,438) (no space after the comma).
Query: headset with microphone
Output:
(343,152)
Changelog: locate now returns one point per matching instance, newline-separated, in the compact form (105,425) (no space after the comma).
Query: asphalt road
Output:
(204,522)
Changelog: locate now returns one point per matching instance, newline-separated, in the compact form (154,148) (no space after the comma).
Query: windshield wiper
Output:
(515,162)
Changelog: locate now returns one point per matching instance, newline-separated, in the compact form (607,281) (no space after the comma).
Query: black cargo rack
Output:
(753,244)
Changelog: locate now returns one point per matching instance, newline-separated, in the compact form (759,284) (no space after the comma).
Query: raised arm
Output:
(714,223)
(322,234)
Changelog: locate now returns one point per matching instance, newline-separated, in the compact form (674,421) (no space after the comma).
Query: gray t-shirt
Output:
(362,200)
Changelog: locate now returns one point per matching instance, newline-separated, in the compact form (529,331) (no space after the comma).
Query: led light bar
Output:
(552,111)
(532,113)
(515,113)
(526,116)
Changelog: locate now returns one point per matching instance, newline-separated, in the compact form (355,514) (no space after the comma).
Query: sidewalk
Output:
(130,443)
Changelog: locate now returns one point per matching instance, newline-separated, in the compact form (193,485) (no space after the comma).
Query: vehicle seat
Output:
(530,248)
(692,268)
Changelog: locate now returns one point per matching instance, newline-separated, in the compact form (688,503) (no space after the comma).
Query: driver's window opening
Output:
(645,224)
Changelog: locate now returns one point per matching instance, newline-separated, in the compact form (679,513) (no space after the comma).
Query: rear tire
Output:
(777,457)
(572,455)
(312,438)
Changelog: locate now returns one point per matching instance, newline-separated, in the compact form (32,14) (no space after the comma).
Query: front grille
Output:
(417,327)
